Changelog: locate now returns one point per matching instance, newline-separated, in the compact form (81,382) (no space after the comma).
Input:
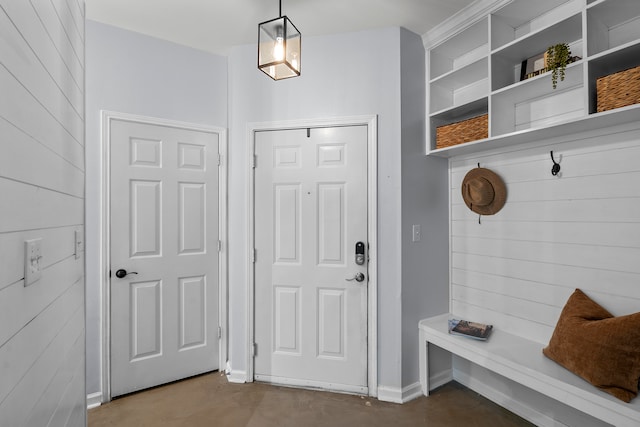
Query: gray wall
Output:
(42,346)
(425,272)
(131,73)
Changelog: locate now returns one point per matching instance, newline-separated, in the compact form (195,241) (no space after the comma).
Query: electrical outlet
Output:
(417,234)
(32,261)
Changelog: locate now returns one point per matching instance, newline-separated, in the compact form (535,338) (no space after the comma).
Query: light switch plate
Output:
(79,243)
(32,261)
(416,233)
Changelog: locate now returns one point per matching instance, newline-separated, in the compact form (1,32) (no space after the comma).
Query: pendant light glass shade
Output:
(279,43)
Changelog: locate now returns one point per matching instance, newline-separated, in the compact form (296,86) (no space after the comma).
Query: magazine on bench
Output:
(478,331)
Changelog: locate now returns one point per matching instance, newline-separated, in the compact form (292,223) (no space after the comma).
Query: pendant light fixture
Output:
(279,43)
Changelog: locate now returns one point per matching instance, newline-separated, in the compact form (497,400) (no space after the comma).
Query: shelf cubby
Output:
(534,103)
(612,61)
(460,86)
(457,114)
(518,19)
(612,23)
(462,49)
(506,62)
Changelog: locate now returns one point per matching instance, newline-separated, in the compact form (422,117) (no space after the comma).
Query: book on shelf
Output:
(478,331)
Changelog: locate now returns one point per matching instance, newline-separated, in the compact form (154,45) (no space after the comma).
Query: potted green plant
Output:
(558,56)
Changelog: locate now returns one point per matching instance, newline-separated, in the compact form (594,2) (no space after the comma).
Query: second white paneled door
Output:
(164,254)
(310,212)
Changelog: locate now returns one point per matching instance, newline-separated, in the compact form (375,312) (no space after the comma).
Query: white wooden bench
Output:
(522,361)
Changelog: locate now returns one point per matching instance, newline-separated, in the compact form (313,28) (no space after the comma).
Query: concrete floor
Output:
(209,400)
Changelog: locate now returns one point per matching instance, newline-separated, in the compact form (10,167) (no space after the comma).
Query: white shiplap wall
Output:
(42,343)
(580,229)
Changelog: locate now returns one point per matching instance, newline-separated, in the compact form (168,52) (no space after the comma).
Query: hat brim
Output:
(499,188)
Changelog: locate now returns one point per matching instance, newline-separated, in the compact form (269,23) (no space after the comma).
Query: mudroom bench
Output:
(522,361)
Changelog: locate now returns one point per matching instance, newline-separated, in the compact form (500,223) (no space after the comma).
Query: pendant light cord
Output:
(280,9)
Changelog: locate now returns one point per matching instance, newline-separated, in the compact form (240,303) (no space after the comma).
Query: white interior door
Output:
(164,234)
(310,211)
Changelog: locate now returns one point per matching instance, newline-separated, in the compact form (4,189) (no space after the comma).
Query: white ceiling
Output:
(215,25)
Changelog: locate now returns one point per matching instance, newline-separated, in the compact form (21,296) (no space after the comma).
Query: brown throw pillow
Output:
(602,349)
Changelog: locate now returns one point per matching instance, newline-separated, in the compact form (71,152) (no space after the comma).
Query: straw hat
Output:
(483,191)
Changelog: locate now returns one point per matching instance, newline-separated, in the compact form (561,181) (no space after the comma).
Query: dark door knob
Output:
(123,273)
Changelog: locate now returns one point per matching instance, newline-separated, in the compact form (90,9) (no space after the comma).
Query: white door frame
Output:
(105,243)
(371,121)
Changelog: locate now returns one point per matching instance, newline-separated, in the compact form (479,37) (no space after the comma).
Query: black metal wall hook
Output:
(556,166)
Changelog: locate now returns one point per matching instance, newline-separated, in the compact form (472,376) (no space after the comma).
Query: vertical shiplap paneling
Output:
(42,341)
(580,229)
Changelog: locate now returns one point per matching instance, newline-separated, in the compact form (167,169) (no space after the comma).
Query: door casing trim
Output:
(371,121)
(106,117)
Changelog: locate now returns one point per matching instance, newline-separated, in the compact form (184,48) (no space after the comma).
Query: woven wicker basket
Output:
(618,89)
(464,131)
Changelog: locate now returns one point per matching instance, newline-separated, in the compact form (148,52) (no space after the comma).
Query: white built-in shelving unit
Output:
(477,70)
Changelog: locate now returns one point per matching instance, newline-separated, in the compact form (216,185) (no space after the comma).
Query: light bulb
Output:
(278,49)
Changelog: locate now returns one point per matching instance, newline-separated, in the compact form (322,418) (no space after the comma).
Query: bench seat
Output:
(521,360)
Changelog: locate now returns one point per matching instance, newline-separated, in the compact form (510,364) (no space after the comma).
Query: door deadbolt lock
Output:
(360,254)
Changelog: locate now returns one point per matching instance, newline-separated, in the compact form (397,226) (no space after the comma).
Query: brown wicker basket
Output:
(618,89)
(464,131)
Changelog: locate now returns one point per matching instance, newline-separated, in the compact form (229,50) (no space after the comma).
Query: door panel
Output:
(191,223)
(331,238)
(310,210)
(331,325)
(146,333)
(145,218)
(287,226)
(164,232)
(192,316)
(287,321)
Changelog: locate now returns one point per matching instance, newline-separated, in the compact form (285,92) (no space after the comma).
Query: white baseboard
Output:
(411,392)
(517,407)
(237,377)
(389,394)
(94,400)
(440,379)
(397,395)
